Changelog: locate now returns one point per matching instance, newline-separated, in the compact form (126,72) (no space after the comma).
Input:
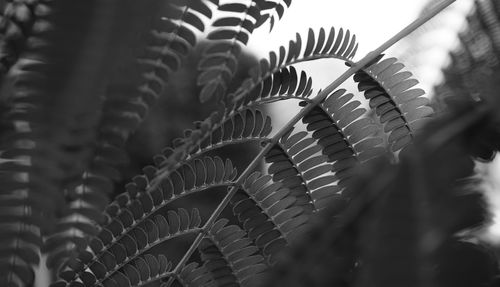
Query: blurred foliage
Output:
(94,92)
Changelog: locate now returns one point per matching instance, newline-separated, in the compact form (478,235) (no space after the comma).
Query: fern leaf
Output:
(254,125)
(236,127)
(283,85)
(267,9)
(231,257)
(338,45)
(193,275)
(219,62)
(269,213)
(341,45)
(135,208)
(128,252)
(217,131)
(345,136)
(401,108)
(142,271)
(296,162)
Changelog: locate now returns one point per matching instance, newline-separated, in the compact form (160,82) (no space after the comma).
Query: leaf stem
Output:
(315,101)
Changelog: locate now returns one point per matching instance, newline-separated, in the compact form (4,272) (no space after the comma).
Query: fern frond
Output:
(174,158)
(86,202)
(19,22)
(135,208)
(122,114)
(236,127)
(128,252)
(171,43)
(296,162)
(40,155)
(341,45)
(267,9)
(218,131)
(99,134)
(231,257)
(345,136)
(401,108)
(283,85)
(142,271)
(269,213)
(219,61)
(193,275)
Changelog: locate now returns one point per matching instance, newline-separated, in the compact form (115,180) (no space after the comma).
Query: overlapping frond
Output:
(236,127)
(230,256)
(400,107)
(282,85)
(129,245)
(217,130)
(296,161)
(122,113)
(386,219)
(142,199)
(341,45)
(220,59)
(269,213)
(345,135)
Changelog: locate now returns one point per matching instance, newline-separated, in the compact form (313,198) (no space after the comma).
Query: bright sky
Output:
(372,21)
